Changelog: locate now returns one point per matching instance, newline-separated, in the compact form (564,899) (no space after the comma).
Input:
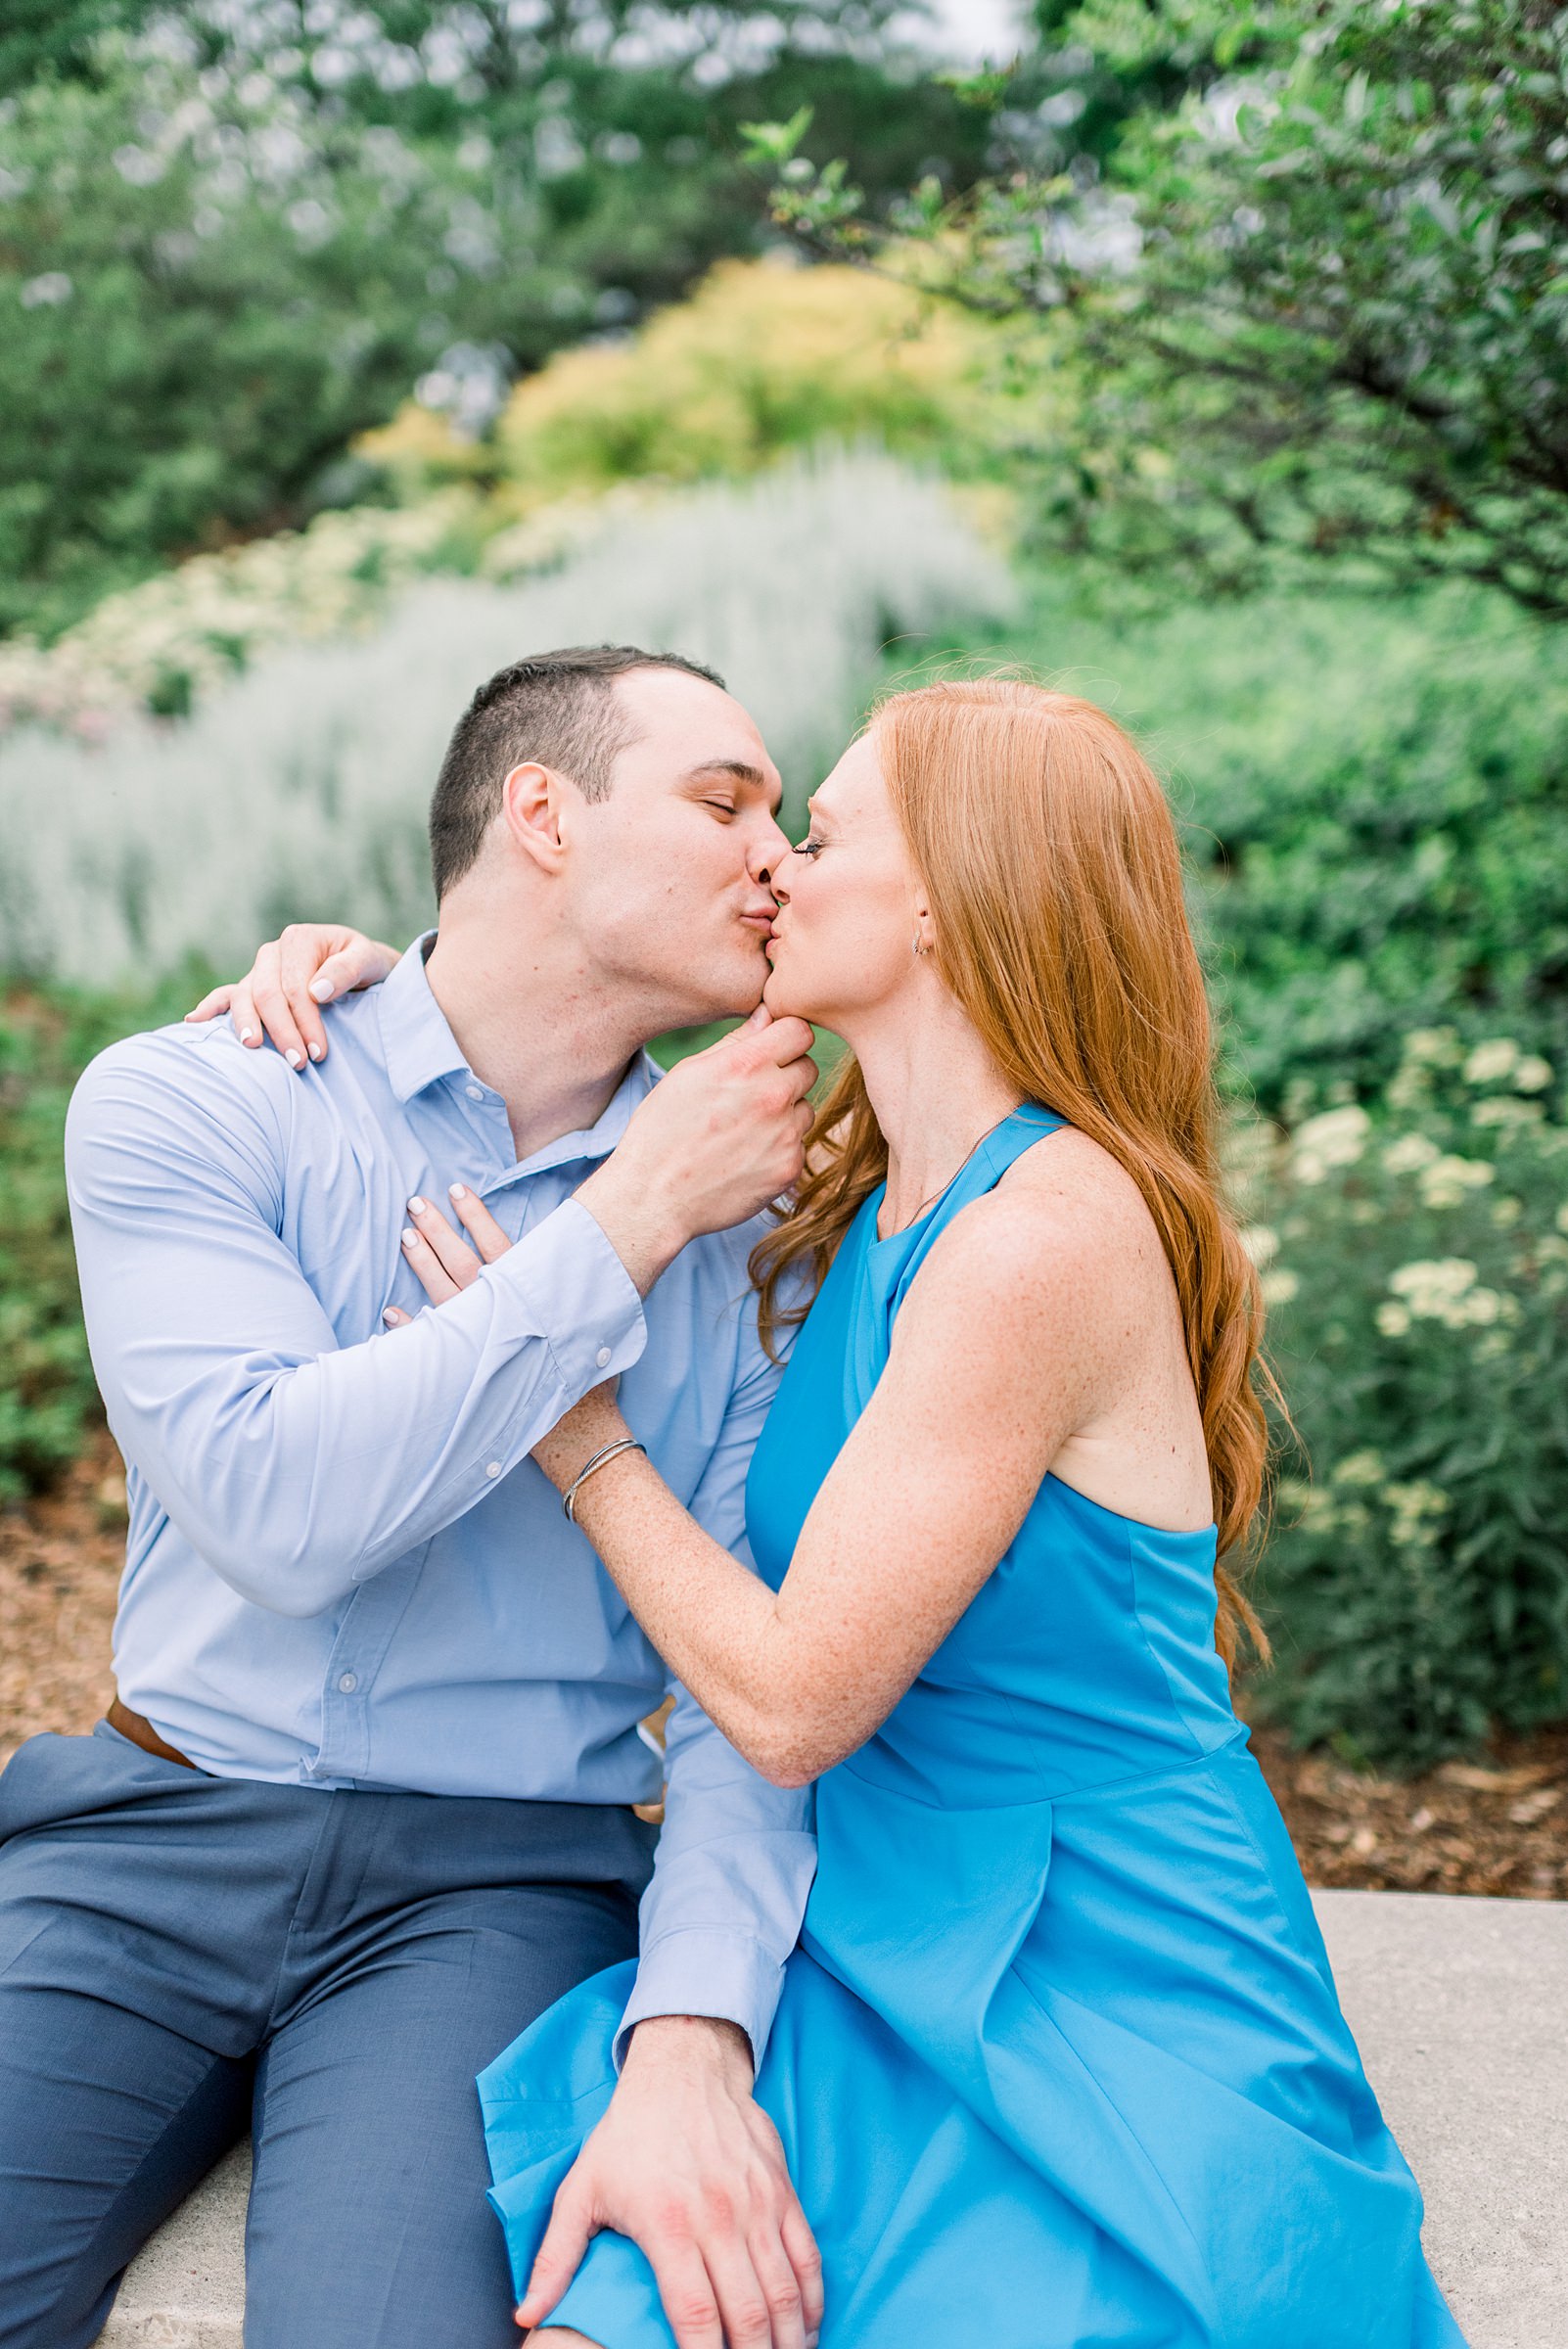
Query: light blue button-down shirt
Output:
(343,1568)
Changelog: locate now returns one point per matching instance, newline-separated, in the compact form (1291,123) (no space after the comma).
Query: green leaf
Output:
(775,142)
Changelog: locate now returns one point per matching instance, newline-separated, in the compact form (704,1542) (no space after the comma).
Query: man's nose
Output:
(766,854)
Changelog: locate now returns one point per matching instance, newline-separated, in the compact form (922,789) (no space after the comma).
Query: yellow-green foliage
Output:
(761,359)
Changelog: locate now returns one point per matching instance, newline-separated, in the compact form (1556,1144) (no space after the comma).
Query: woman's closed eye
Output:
(811,846)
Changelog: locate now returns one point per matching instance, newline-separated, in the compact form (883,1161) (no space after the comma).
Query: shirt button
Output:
(494,1468)
(601,1360)
(475,1092)
(348,1682)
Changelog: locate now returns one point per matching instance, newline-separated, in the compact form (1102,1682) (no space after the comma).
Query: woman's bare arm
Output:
(1003,1348)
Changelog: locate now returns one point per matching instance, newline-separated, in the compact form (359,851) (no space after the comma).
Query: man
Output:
(364,1807)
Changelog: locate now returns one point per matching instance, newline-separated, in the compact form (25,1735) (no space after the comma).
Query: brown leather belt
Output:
(141,1732)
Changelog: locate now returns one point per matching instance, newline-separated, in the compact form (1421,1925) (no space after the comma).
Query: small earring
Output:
(914,946)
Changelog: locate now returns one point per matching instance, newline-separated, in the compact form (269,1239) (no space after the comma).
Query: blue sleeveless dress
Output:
(1058,2063)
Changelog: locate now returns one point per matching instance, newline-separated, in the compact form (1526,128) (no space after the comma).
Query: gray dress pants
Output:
(184,1957)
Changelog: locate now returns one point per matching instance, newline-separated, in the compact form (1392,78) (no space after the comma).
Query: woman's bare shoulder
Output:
(1067,1180)
(1064,1247)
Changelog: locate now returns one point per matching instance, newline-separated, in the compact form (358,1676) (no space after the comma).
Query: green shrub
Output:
(1374,795)
(1417,1257)
(235,238)
(757,361)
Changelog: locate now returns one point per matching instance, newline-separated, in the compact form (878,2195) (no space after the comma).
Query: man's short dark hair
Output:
(556,708)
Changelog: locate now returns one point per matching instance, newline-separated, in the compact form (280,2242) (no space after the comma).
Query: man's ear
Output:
(532,803)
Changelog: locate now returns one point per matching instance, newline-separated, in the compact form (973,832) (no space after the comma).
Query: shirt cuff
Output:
(699,1969)
(577,1291)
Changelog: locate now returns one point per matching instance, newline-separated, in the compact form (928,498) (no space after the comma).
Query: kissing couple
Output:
(475,1387)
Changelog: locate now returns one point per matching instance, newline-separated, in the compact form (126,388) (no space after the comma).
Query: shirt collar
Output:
(417,1044)
(419,1049)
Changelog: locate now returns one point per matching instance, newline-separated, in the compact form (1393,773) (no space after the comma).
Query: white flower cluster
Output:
(1307,1506)
(1447,1179)
(1410,1154)
(1278,1284)
(1499,1061)
(1548,1260)
(1432,1048)
(1444,1179)
(1414,1507)
(1337,1137)
(1446,1289)
(1508,1116)
(1415,1511)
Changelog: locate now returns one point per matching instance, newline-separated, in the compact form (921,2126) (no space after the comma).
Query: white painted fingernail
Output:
(456,1190)
(246,1034)
(416,1205)
(322,990)
(315,1050)
(410,1238)
(293,1058)
(389,1317)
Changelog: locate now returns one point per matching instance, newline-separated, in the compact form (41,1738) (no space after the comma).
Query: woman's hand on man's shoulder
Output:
(280,996)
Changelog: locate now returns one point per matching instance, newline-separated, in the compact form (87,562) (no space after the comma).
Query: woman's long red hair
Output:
(1054,877)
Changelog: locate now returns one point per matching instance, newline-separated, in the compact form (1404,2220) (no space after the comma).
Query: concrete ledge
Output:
(1460,2009)
(186,2290)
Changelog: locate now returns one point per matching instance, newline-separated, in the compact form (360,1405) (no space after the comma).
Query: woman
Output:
(1058,2062)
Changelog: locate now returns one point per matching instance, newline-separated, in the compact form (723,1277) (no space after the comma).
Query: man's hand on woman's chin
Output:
(688,2165)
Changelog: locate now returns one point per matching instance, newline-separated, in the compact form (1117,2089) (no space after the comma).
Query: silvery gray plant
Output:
(302,791)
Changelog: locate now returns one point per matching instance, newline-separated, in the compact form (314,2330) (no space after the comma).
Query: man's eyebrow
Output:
(740,769)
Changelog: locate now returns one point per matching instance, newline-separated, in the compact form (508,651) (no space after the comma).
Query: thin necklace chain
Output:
(912,1220)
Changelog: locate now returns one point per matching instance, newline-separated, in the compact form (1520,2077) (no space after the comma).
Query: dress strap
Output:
(890,1265)
(1005,1143)
(980,1173)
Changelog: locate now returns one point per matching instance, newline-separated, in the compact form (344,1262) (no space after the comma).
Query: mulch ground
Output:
(1496,1822)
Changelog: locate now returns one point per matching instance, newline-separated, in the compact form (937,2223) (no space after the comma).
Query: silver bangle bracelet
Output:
(611,1451)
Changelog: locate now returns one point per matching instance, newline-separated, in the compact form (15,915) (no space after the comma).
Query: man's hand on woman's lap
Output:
(688,2165)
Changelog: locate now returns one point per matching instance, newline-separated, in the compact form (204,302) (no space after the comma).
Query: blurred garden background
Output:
(1209,359)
